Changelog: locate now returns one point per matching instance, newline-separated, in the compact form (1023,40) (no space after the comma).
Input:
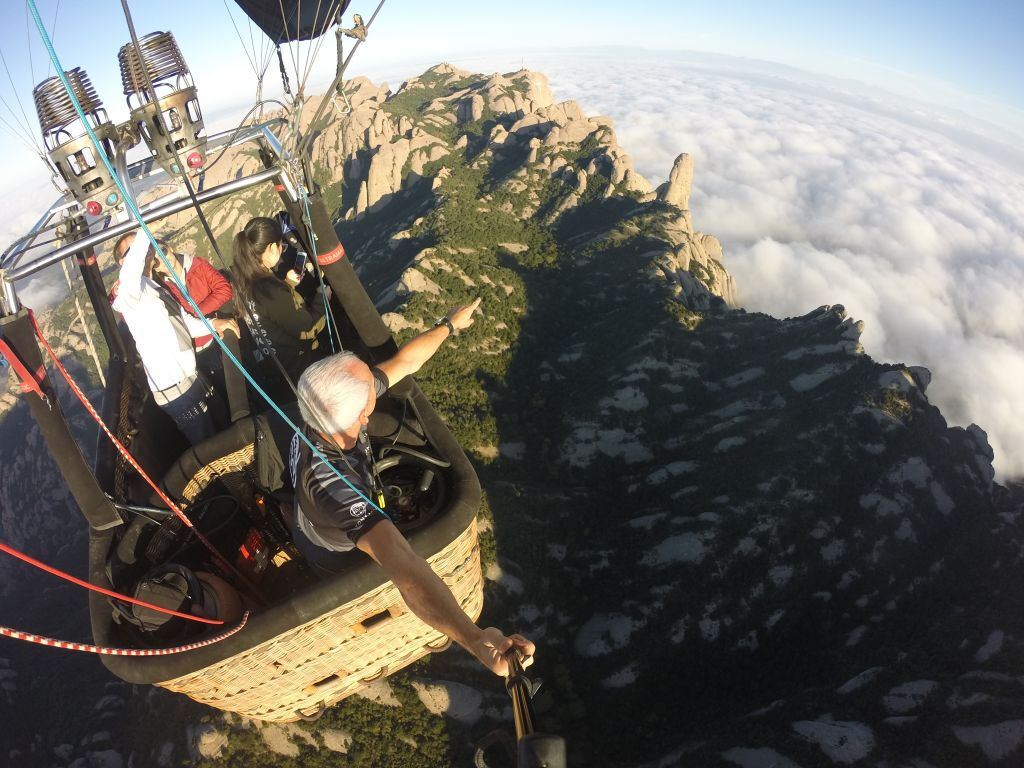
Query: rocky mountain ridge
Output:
(736,539)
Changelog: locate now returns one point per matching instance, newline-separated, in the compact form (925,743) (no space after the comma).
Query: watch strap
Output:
(447,322)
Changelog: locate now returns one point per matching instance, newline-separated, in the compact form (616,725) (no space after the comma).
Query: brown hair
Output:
(247,271)
(128,238)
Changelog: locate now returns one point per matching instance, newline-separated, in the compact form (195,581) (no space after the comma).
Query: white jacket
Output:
(163,342)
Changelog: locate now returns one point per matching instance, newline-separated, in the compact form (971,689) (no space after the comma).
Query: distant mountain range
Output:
(736,540)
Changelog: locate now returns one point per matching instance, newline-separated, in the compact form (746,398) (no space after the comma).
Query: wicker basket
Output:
(300,673)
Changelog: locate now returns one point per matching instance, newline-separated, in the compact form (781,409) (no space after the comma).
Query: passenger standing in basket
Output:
(281,324)
(336,397)
(210,290)
(163,334)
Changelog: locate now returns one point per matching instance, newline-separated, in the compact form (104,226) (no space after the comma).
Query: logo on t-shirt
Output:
(359,510)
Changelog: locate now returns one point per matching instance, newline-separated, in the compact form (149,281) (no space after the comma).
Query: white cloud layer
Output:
(821,194)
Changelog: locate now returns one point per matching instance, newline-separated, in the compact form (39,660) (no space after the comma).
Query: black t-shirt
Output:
(282,325)
(328,511)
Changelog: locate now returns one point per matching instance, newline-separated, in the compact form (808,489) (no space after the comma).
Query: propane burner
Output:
(71,151)
(176,101)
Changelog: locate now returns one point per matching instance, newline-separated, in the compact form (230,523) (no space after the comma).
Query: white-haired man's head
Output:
(337,395)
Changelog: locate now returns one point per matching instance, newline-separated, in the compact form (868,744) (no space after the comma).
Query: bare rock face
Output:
(497,136)
(534,147)
(523,93)
(698,275)
(209,742)
(402,145)
(471,108)
(636,183)
(676,191)
(444,68)
(381,130)
(361,89)
(385,175)
(414,281)
(419,158)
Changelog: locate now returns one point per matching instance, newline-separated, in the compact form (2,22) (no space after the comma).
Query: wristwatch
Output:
(448,322)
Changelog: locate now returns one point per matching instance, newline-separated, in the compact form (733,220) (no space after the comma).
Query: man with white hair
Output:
(336,397)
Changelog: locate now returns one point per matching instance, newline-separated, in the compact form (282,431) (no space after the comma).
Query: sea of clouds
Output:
(823,193)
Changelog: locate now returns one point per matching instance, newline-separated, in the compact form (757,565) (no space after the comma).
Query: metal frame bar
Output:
(152,214)
(15,251)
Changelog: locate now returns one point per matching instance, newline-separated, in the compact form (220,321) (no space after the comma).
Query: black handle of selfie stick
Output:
(533,750)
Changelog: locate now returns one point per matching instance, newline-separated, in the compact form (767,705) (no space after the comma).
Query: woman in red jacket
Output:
(210,290)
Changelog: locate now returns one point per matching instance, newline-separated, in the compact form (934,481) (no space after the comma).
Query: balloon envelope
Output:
(285,21)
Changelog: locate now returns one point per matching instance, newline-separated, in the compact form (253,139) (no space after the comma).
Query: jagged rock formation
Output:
(736,502)
(676,191)
(391,141)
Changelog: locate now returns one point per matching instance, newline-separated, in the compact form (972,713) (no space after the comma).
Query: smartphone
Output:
(300,262)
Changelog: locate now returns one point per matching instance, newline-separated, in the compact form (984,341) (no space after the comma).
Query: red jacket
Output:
(208,288)
(206,285)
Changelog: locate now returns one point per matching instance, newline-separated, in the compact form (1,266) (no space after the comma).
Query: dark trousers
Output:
(323,561)
(192,412)
(210,362)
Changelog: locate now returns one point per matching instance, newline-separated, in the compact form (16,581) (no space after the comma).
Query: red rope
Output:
(68,646)
(130,459)
(29,383)
(68,577)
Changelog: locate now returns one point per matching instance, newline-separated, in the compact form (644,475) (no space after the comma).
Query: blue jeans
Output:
(191,412)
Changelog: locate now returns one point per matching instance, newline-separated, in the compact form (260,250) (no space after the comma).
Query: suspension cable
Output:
(108,592)
(252,61)
(53,33)
(27,124)
(137,215)
(329,96)
(28,45)
(332,324)
(331,15)
(106,651)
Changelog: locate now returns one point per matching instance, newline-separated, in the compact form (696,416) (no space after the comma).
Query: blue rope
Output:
(178,281)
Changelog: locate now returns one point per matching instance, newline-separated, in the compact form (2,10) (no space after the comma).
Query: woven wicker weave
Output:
(239,461)
(318,664)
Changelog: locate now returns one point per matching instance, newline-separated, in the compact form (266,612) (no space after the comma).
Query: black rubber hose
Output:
(412,452)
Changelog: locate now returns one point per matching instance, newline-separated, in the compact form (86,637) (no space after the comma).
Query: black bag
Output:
(169,586)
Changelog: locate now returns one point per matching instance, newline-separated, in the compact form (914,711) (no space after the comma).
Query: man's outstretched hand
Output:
(462,317)
(492,644)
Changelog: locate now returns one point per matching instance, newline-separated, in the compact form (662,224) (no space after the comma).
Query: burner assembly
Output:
(171,126)
(177,101)
(68,144)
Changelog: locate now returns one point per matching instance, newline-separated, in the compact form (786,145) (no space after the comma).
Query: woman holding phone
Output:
(281,324)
